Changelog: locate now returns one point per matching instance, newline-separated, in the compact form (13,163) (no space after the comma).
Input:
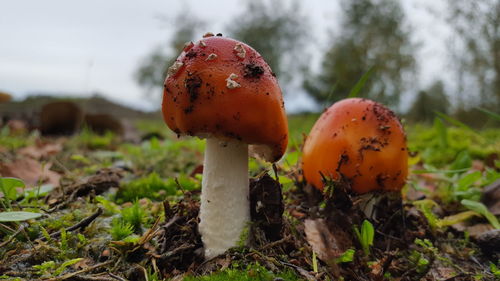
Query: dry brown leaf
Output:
(17,127)
(491,197)
(443,273)
(489,241)
(377,268)
(83,264)
(495,209)
(224,262)
(322,241)
(30,171)
(39,151)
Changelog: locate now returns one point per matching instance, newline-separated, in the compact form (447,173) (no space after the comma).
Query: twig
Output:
(58,163)
(389,236)
(73,274)
(92,278)
(176,251)
(82,224)
(300,270)
(5,227)
(173,220)
(21,228)
(116,277)
(275,169)
(274,243)
(179,186)
(145,272)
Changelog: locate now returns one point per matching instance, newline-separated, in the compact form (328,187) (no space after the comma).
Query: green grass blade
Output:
(453,121)
(361,83)
(481,208)
(18,216)
(491,114)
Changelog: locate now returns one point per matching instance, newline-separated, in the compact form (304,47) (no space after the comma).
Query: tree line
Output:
(374,40)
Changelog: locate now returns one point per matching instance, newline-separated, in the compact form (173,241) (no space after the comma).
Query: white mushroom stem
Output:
(225,207)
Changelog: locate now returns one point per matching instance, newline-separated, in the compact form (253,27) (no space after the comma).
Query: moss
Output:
(249,272)
(153,187)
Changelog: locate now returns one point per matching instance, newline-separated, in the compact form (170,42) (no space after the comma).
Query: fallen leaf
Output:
(443,273)
(266,206)
(224,262)
(491,197)
(17,127)
(322,241)
(489,241)
(82,264)
(30,171)
(478,229)
(495,209)
(40,151)
(377,268)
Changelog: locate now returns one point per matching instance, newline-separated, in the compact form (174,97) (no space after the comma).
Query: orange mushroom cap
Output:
(360,139)
(220,87)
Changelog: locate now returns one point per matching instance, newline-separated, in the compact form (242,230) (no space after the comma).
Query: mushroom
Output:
(362,141)
(235,102)
(4,97)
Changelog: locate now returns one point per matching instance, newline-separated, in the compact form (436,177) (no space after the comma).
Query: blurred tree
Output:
(373,33)
(428,102)
(152,71)
(277,30)
(476,50)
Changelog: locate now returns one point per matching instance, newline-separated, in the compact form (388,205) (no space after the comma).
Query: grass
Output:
(439,145)
(443,165)
(246,273)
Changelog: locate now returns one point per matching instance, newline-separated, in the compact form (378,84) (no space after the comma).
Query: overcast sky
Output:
(79,47)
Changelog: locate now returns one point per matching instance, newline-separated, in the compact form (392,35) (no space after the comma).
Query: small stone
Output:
(208,34)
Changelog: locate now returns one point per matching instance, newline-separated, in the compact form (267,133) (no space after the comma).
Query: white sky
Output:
(79,47)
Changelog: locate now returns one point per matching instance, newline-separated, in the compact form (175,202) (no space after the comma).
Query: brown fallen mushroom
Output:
(223,90)
(60,118)
(361,140)
(4,97)
(102,123)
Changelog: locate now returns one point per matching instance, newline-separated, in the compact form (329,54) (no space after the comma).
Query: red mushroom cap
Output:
(361,139)
(223,88)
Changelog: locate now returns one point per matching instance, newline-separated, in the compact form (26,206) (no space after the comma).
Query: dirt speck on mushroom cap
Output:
(367,134)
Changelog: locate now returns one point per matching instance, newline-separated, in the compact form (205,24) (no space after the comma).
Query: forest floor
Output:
(95,207)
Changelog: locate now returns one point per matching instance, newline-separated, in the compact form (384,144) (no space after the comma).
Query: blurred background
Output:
(417,57)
